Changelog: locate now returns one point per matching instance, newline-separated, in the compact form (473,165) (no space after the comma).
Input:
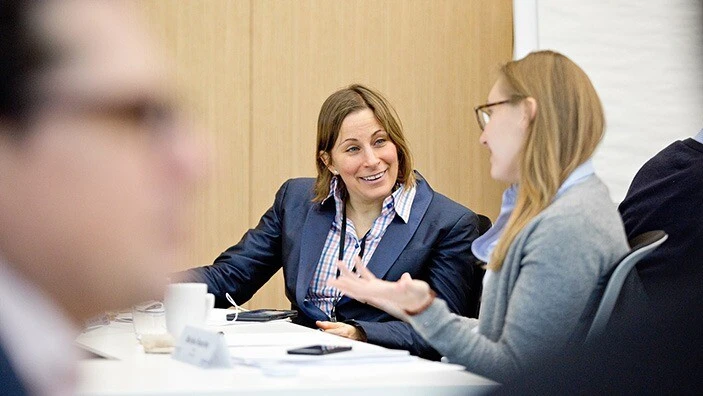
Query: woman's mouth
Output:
(373,177)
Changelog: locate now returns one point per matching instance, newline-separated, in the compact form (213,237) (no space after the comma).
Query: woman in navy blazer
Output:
(364,170)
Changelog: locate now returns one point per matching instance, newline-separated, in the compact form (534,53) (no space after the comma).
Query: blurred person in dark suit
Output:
(667,194)
(94,165)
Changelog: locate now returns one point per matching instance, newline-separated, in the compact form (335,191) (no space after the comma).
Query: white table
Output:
(127,370)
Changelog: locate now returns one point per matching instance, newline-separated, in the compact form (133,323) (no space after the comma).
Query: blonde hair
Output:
(335,109)
(568,125)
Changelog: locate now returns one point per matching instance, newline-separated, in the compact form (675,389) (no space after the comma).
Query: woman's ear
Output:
(325,158)
(531,108)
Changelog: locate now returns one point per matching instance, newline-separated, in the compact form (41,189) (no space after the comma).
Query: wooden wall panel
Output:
(431,59)
(257,72)
(209,45)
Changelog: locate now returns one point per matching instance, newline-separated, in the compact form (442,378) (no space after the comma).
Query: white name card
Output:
(202,348)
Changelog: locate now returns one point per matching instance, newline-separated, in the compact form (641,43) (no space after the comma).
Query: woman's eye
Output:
(379,142)
(352,149)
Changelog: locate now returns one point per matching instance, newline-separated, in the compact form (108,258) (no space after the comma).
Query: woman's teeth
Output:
(374,177)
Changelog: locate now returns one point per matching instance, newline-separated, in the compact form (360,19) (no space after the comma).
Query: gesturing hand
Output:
(396,298)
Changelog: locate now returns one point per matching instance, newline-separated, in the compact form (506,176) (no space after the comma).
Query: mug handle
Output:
(209,304)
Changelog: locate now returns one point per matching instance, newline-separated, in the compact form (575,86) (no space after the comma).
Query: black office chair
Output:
(484,224)
(641,246)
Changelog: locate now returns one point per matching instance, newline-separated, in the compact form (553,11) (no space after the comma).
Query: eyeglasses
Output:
(482,116)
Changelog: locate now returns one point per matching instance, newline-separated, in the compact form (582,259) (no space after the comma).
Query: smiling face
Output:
(505,134)
(365,158)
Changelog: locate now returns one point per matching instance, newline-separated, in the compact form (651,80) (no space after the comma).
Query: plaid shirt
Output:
(398,203)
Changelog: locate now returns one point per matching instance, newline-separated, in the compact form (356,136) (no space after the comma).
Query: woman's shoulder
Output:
(581,226)
(589,199)
(440,202)
(300,189)
(300,183)
(584,212)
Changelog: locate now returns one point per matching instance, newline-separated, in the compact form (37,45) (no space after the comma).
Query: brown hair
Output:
(336,108)
(568,125)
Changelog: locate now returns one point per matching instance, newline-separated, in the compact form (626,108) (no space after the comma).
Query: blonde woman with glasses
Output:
(554,242)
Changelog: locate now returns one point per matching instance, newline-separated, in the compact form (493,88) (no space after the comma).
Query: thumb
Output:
(405,281)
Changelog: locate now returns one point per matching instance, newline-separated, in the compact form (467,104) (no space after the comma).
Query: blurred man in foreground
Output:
(94,166)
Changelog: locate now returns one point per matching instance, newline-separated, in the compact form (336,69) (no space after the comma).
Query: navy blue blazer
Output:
(435,246)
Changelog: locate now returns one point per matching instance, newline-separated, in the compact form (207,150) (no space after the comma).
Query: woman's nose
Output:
(482,138)
(371,159)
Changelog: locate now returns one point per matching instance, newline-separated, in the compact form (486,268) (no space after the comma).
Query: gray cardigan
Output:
(546,293)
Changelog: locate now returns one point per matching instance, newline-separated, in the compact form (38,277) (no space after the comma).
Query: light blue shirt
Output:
(699,137)
(483,246)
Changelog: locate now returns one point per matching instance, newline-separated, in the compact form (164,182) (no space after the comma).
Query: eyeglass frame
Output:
(481,108)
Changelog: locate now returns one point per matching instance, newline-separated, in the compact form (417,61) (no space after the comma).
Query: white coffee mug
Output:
(187,304)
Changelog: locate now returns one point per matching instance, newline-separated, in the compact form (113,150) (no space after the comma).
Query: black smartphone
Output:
(263,315)
(319,350)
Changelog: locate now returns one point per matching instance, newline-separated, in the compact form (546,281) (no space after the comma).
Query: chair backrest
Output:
(641,246)
(484,224)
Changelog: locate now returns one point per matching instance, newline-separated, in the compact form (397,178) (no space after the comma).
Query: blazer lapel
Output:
(398,233)
(312,241)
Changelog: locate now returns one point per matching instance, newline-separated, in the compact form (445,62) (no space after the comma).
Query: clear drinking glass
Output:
(149,318)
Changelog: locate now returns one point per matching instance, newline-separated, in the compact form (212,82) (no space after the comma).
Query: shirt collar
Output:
(333,191)
(581,173)
(699,137)
(45,359)
(483,246)
(401,200)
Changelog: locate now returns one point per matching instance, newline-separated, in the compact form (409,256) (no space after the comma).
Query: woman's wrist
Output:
(360,332)
(426,304)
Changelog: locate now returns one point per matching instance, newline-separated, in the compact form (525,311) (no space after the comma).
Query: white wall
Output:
(645,59)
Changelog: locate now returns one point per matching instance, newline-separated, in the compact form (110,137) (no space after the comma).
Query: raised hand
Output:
(396,298)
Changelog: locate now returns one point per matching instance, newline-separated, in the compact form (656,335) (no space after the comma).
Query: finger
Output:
(342,283)
(404,282)
(351,289)
(346,287)
(335,331)
(365,273)
(343,270)
(343,330)
(358,264)
(325,325)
